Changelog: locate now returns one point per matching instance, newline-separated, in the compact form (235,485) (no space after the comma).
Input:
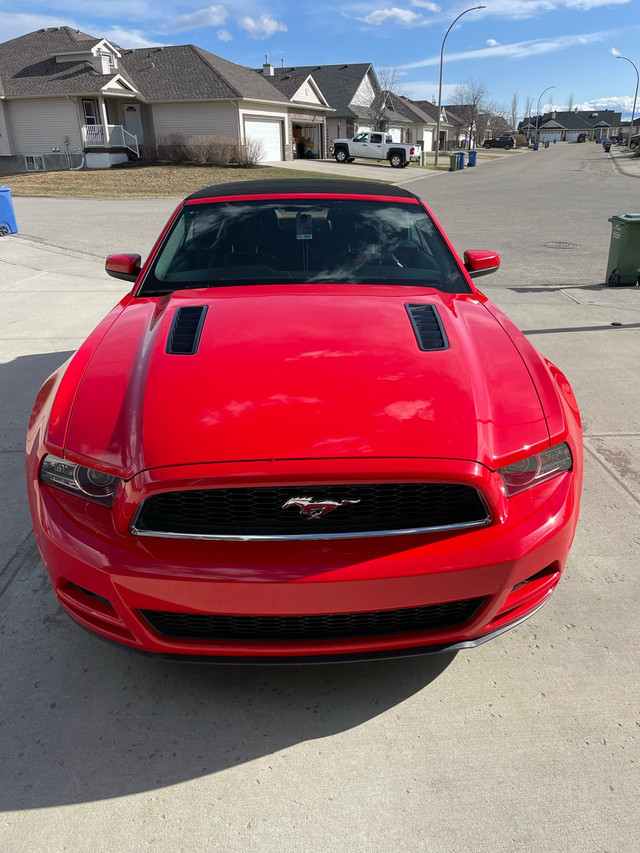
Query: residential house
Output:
(565,126)
(68,99)
(350,89)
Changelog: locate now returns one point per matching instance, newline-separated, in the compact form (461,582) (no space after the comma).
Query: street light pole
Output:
(635,98)
(538,110)
(472,9)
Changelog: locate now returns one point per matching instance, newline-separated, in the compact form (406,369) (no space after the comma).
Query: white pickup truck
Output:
(371,145)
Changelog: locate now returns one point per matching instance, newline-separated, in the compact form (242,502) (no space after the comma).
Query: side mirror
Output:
(479,262)
(126,266)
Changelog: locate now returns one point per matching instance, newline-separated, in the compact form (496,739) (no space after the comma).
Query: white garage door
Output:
(549,135)
(572,135)
(269,133)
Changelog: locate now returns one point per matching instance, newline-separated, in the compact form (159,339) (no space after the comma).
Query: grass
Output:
(141,182)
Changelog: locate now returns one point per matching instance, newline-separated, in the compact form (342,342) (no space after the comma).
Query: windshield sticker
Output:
(304,226)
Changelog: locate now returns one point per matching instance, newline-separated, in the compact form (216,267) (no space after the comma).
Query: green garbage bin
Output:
(453,162)
(624,251)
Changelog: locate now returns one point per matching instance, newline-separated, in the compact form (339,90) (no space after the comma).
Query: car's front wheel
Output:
(341,156)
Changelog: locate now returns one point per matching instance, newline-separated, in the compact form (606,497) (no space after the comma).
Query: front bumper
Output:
(105,577)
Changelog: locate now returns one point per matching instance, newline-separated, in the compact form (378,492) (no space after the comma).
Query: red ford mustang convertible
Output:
(304,435)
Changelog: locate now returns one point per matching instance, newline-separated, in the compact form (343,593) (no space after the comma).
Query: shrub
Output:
(251,153)
(172,147)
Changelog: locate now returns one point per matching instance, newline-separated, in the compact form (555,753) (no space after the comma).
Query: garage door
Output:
(572,135)
(549,135)
(269,134)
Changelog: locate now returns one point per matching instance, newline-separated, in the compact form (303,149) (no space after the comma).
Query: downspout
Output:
(81,166)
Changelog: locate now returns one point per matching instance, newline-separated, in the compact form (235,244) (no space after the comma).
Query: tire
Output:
(341,155)
(4,231)
(507,147)
(487,145)
(613,280)
(632,146)
(396,161)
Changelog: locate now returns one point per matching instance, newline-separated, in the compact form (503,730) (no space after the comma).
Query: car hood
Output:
(302,373)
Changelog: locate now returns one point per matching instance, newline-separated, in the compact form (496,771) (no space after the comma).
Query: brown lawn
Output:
(141,182)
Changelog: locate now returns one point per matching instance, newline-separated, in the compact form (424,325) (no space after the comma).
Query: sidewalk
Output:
(624,161)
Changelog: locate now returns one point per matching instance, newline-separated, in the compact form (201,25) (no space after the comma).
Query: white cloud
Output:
(535,8)
(622,104)
(262,27)
(492,43)
(615,52)
(224,35)
(425,4)
(405,17)
(518,50)
(17,24)
(210,16)
(129,38)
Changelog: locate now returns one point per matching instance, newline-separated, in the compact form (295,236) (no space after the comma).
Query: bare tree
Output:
(528,106)
(470,101)
(391,83)
(570,102)
(514,111)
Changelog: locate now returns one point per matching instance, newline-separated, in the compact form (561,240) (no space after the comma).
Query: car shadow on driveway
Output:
(83,720)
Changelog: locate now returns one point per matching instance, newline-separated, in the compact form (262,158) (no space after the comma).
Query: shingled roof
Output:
(338,83)
(187,72)
(28,65)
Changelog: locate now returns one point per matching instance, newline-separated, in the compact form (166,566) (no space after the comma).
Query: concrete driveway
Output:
(528,743)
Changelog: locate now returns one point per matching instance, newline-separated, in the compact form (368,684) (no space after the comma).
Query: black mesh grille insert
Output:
(184,334)
(331,626)
(428,327)
(350,509)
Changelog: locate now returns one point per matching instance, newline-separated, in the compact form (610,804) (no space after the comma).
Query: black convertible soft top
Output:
(302,185)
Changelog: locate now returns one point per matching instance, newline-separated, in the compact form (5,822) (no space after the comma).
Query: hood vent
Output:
(428,327)
(184,335)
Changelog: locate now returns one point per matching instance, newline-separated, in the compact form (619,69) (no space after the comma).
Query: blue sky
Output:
(511,46)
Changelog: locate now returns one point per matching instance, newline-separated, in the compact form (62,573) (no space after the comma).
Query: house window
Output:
(34,162)
(90,112)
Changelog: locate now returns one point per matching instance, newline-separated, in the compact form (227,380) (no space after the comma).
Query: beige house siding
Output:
(365,93)
(5,144)
(306,94)
(194,118)
(40,124)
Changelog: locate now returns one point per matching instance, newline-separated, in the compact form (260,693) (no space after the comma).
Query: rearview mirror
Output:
(125,266)
(479,262)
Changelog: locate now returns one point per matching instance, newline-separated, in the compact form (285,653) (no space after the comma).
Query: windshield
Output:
(303,241)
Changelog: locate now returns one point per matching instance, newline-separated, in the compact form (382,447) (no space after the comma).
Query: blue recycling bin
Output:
(8,224)
(536,145)
(473,156)
(460,159)
(554,141)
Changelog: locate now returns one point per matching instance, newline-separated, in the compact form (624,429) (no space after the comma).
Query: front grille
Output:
(351,510)
(330,626)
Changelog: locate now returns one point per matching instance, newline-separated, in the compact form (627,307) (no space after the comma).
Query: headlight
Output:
(79,480)
(536,469)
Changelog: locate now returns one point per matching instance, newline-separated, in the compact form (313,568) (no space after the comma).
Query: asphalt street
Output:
(528,743)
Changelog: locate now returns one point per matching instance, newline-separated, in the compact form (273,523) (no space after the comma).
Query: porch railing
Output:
(93,136)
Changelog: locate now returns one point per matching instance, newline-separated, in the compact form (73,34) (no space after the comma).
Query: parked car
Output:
(581,137)
(634,142)
(304,434)
(506,142)
(375,146)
